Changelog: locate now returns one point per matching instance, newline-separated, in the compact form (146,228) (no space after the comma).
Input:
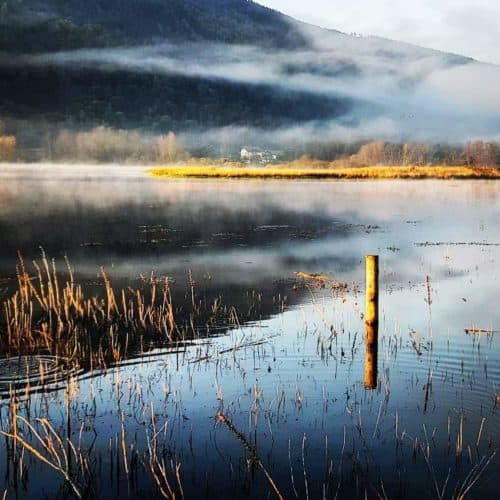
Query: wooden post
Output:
(372,290)
(371,322)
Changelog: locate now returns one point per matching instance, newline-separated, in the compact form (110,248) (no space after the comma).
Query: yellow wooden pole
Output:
(372,290)
(371,321)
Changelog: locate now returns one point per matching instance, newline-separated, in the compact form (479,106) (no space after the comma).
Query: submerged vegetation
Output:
(256,358)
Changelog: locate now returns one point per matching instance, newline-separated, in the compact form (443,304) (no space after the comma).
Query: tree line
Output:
(104,144)
(472,153)
(8,145)
(107,144)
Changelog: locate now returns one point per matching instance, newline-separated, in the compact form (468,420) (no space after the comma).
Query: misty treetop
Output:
(103,144)
(108,145)
(374,153)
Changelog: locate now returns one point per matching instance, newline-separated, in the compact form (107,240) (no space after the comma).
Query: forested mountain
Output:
(123,99)
(227,70)
(82,94)
(46,25)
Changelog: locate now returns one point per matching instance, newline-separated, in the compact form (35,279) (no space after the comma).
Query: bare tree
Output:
(170,149)
(393,154)
(372,153)
(65,145)
(416,153)
(480,154)
(8,146)
(104,144)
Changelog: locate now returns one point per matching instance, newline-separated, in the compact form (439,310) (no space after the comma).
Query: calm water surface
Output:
(290,378)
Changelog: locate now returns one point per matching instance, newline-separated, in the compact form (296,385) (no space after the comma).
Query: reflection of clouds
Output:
(245,231)
(456,274)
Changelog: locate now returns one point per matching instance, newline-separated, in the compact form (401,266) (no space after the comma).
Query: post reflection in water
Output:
(371,357)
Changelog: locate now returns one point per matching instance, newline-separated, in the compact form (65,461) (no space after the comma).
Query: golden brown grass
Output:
(287,172)
(51,314)
(48,314)
(8,146)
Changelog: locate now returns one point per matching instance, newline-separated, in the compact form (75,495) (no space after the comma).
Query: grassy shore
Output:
(287,172)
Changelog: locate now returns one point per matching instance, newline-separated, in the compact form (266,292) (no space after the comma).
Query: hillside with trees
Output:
(225,73)
(51,25)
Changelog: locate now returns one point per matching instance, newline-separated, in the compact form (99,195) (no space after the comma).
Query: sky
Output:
(466,27)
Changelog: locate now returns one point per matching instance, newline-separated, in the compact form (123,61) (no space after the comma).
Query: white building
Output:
(257,155)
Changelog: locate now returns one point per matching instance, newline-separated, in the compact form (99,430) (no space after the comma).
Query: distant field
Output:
(283,172)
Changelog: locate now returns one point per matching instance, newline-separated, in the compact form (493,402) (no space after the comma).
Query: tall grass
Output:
(285,172)
(55,315)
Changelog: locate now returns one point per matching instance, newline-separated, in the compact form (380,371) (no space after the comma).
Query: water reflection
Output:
(291,379)
(371,357)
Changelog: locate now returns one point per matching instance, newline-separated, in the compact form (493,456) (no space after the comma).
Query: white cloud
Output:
(463,26)
(400,91)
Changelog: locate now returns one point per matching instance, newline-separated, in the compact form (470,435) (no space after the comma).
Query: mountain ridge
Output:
(230,67)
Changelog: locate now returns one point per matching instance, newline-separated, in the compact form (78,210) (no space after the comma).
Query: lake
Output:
(272,399)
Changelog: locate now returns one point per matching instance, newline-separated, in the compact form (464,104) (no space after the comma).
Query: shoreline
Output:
(241,172)
(353,173)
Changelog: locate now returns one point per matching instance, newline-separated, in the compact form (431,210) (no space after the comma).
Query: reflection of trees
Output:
(133,228)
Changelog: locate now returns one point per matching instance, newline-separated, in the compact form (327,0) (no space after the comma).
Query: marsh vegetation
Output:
(339,173)
(238,365)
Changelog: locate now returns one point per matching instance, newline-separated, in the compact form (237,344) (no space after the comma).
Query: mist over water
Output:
(246,232)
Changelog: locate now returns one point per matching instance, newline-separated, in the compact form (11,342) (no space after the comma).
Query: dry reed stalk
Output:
(254,460)
(160,471)
(44,315)
(51,450)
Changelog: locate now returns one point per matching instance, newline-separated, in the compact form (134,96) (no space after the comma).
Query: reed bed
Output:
(141,431)
(126,433)
(286,172)
(51,315)
(38,439)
